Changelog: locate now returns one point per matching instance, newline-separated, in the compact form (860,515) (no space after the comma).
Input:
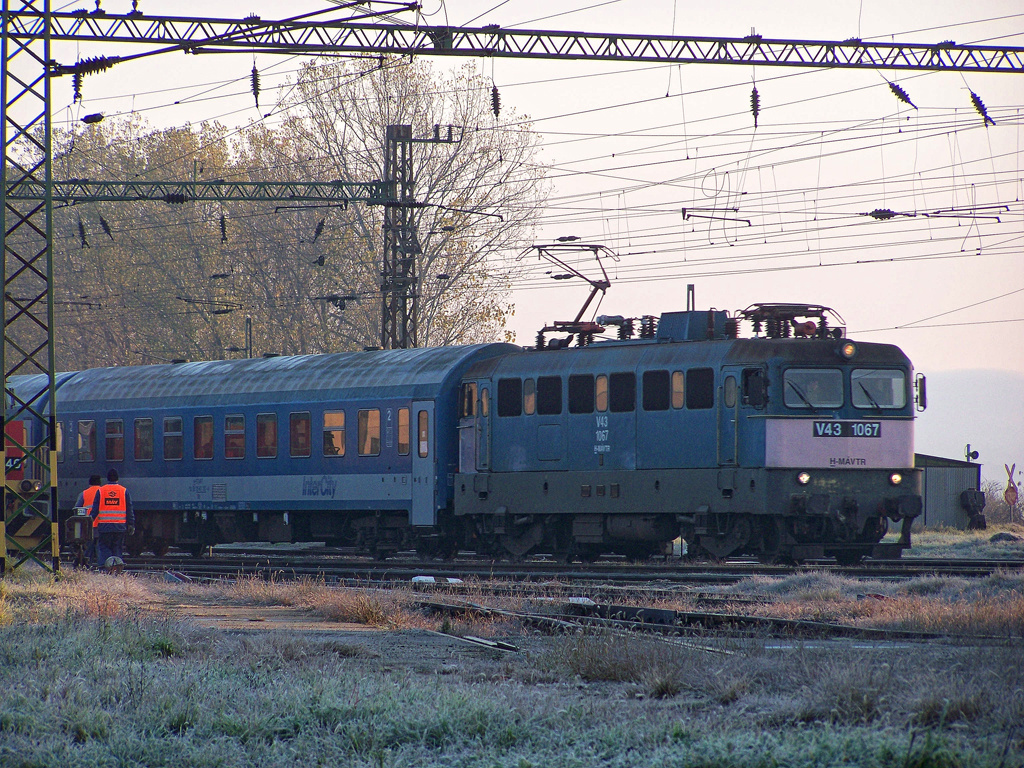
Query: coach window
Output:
(403,432)
(678,392)
(174,442)
(510,397)
(334,433)
(812,388)
(423,433)
(656,391)
(115,440)
(878,388)
(300,435)
(622,392)
(549,395)
(729,391)
(529,397)
(469,398)
(369,432)
(581,393)
(234,437)
(143,440)
(87,440)
(700,388)
(266,435)
(601,393)
(203,437)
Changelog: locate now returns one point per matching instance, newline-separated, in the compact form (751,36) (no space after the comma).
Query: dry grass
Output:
(952,542)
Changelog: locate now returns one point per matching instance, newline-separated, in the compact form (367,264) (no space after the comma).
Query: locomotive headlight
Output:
(847,350)
(895,478)
(803,478)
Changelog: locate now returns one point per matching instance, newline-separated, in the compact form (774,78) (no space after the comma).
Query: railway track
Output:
(669,576)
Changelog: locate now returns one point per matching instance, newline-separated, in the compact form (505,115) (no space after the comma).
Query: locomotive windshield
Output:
(813,387)
(874,388)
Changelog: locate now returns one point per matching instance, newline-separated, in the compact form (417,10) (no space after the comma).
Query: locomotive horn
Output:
(806,328)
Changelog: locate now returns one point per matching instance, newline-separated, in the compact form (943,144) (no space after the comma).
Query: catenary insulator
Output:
(495,100)
(901,94)
(980,106)
(76,84)
(255,78)
(319,230)
(106,228)
(81,234)
(223,228)
(755,104)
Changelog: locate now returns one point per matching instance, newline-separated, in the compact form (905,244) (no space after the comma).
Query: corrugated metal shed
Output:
(944,483)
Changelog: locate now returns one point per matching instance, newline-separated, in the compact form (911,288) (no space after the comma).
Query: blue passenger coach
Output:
(351,448)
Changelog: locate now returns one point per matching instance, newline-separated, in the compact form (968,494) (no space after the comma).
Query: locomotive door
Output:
(424,506)
(728,416)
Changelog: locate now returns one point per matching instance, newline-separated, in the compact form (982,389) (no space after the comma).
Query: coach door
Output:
(483,431)
(728,404)
(424,506)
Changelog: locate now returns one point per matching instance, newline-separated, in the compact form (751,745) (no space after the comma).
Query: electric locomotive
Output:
(791,445)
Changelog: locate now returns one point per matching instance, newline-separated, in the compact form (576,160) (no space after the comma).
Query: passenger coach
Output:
(347,448)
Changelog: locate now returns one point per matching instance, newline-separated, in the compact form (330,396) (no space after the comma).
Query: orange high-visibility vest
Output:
(113,506)
(88,497)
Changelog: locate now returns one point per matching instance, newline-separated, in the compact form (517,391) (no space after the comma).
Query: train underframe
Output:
(719,513)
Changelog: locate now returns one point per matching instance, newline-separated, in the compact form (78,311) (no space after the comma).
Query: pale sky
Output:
(779,211)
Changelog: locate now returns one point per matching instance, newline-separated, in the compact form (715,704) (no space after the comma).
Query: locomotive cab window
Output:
(485,402)
(266,435)
(115,440)
(87,440)
(334,433)
(510,397)
(60,441)
(203,437)
(234,437)
(878,388)
(143,440)
(368,428)
(729,391)
(812,388)
(300,434)
(174,441)
(581,394)
(549,395)
(755,387)
(469,399)
(656,391)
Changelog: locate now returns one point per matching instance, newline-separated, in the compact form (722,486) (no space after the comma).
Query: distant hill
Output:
(982,407)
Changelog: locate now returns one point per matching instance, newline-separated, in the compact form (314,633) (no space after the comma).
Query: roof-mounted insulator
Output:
(980,106)
(81,235)
(223,228)
(255,84)
(755,104)
(106,228)
(495,101)
(319,230)
(901,94)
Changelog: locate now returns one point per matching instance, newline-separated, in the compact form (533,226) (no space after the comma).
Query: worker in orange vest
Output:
(114,517)
(85,500)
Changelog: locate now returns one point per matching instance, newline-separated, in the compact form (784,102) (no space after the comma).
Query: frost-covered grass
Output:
(90,675)
(950,542)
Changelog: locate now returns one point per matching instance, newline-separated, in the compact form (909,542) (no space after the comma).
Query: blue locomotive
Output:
(793,444)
